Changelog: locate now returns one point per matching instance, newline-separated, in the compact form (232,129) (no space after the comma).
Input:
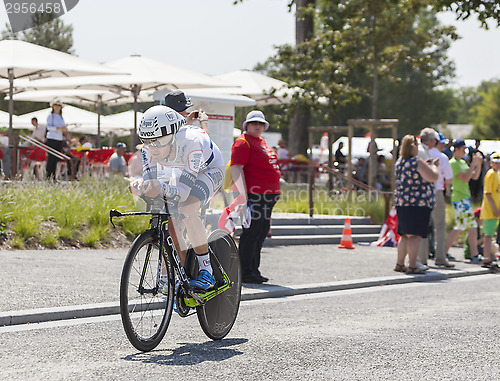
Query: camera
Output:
(196,114)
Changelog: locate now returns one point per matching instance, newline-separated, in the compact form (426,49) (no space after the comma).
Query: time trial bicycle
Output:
(146,310)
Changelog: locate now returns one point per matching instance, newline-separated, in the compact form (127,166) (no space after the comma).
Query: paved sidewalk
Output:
(87,281)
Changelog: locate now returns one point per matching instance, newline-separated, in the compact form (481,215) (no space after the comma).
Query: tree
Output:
(48,31)
(379,36)
(486,115)
(360,49)
(304,31)
(484,9)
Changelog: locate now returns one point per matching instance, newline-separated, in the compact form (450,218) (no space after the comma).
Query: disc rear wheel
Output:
(218,315)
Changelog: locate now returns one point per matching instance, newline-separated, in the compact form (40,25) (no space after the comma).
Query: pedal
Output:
(196,297)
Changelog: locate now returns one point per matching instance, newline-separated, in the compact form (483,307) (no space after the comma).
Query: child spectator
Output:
(480,240)
(490,209)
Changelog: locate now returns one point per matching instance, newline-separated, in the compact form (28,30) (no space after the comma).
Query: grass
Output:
(78,212)
(295,199)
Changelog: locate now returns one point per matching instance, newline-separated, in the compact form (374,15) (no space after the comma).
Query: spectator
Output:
(480,240)
(447,149)
(39,132)
(4,147)
(460,195)
(382,183)
(414,200)
(340,158)
(439,212)
(179,102)
(255,170)
(428,142)
(367,163)
(476,186)
(85,144)
(283,155)
(360,169)
(490,209)
(135,162)
(56,129)
(282,151)
(117,163)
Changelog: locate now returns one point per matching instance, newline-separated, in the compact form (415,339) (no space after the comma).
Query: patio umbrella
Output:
(73,116)
(4,118)
(80,96)
(145,75)
(256,86)
(122,120)
(20,59)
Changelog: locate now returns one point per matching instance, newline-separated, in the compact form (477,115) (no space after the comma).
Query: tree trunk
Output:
(375,70)
(297,135)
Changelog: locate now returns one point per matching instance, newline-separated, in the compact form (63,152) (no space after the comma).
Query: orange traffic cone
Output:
(346,242)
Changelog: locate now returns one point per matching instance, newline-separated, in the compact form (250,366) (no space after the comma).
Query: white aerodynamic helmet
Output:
(158,122)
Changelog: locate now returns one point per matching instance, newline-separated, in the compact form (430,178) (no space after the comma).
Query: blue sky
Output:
(215,36)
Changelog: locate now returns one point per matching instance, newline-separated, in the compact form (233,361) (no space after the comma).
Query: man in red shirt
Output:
(254,167)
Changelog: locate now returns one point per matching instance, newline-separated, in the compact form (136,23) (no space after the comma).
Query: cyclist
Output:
(184,166)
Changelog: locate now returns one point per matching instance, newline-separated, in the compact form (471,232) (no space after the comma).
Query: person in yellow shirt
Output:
(490,208)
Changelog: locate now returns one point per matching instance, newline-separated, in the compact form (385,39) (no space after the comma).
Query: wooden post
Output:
(394,157)
(349,156)
(330,161)
(311,176)
(371,159)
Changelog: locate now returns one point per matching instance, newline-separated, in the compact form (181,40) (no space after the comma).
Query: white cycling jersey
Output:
(198,159)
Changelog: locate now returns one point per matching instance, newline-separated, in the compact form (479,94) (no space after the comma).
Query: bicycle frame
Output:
(159,222)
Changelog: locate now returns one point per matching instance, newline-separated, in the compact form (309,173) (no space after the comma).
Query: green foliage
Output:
(486,114)
(49,240)
(483,9)
(48,31)
(96,234)
(26,226)
(18,243)
(294,199)
(463,101)
(383,58)
(132,226)
(45,213)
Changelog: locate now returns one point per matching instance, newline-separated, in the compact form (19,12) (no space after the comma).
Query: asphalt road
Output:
(56,278)
(444,330)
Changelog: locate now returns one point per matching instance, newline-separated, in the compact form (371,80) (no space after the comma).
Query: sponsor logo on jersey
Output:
(194,161)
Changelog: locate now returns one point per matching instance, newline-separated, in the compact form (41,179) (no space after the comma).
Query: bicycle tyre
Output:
(217,316)
(145,316)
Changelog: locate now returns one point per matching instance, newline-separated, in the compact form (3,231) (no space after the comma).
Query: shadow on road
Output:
(191,353)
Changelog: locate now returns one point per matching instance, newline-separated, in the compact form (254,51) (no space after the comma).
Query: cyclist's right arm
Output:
(139,187)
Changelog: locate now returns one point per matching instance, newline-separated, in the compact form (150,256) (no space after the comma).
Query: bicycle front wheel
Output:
(218,315)
(145,312)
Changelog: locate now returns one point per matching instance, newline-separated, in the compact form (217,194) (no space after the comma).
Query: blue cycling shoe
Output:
(204,281)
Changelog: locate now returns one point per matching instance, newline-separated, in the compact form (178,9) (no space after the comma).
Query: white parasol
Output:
(145,74)
(20,59)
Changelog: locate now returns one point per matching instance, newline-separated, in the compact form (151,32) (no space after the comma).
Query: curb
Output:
(40,315)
